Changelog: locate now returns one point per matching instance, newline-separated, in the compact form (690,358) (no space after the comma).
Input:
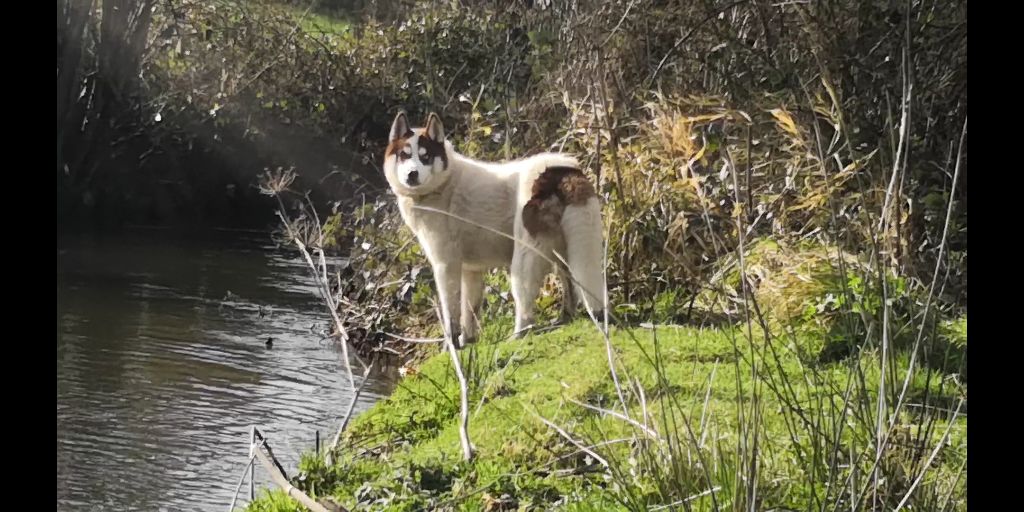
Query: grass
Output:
(319,21)
(315,23)
(808,425)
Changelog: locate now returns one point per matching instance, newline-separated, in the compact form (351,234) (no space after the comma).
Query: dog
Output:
(471,216)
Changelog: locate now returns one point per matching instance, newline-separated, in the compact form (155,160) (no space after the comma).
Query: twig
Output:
(619,24)
(687,499)
(931,457)
(650,432)
(348,413)
(467,446)
(687,36)
(287,487)
(935,274)
(575,443)
(241,479)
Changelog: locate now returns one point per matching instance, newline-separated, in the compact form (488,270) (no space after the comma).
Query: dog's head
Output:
(416,160)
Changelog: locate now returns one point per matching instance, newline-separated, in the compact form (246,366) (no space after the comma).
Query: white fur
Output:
(485,202)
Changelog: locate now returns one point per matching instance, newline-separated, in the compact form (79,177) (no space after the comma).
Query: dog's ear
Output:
(435,130)
(399,127)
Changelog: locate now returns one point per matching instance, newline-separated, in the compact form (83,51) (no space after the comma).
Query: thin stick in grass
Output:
(329,456)
(687,499)
(648,431)
(575,443)
(467,445)
(931,458)
(704,410)
(935,274)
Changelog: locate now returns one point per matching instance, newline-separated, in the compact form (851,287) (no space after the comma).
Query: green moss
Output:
(404,453)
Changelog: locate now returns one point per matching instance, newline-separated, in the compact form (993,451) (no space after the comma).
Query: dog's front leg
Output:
(472,298)
(449,286)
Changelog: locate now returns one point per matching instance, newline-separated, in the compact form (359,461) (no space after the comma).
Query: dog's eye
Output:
(425,159)
(405,154)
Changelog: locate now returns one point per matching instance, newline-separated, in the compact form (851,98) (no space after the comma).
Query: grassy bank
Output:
(779,132)
(703,405)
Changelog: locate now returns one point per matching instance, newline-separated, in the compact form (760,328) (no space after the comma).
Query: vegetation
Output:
(787,180)
(696,419)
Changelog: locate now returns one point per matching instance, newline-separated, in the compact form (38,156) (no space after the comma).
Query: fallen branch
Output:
(286,486)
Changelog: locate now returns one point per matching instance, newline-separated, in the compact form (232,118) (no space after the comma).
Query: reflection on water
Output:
(162,366)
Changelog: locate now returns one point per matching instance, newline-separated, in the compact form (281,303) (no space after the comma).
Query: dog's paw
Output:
(522,332)
(457,342)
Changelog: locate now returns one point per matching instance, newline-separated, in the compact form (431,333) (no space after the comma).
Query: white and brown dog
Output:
(466,213)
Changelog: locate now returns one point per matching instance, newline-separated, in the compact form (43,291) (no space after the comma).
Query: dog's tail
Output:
(562,198)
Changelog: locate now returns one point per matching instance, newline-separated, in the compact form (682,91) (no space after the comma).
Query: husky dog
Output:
(471,216)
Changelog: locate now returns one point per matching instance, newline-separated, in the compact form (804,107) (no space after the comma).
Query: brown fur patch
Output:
(554,189)
(542,215)
(398,144)
(434,149)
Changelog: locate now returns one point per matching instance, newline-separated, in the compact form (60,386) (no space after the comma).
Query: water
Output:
(160,371)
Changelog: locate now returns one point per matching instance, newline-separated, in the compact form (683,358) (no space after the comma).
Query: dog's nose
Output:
(414,178)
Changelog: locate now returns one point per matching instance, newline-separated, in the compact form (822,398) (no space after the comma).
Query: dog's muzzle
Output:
(413,179)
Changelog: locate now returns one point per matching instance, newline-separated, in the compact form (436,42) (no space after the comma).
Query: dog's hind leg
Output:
(581,226)
(569,297)
(529,266)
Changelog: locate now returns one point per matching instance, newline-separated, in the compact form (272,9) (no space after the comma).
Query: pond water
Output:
(162,366)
